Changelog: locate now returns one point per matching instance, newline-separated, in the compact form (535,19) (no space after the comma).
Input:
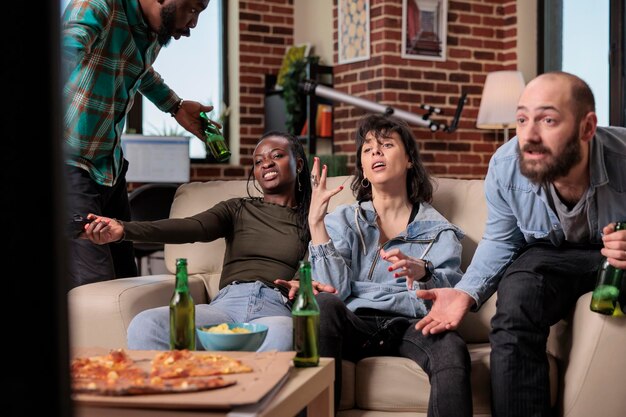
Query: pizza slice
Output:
(114,366)
(145,386)
(184,363)
(116,373)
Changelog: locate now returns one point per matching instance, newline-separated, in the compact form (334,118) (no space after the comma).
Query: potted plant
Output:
(295,100)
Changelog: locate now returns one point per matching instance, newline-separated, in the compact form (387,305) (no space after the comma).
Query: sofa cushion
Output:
(117,301)
(388,383)
(347,385)
(196,197)
(461,201)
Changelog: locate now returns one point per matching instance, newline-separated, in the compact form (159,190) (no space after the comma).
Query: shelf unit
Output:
(275,113)
(323,75)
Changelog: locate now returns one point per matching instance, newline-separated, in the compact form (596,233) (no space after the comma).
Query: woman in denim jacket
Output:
(375,252)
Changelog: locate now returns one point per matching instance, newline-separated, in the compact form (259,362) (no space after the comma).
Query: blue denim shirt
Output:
(351,262)
(519,212)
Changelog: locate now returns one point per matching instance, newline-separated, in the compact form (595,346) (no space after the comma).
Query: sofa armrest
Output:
(595,364)
(100,313)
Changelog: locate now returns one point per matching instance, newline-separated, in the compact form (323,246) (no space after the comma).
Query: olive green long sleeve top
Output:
(262,240)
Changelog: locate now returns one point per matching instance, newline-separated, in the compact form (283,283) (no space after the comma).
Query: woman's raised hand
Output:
(320,196)
(101,230)
(404,266)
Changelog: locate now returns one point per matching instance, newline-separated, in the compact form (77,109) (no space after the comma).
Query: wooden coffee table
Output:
(304,387)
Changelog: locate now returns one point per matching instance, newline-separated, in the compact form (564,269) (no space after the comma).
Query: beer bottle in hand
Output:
(606,295)
(182,312)
(306,321)
(215,142)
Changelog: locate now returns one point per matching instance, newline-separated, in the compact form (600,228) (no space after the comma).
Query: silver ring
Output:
(314,181)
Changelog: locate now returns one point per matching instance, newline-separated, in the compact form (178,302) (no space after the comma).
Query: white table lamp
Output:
(498,104)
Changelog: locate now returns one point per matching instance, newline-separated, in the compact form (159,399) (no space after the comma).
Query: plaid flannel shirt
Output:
(108,51)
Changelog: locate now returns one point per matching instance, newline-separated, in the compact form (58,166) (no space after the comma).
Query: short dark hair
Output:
(418,182)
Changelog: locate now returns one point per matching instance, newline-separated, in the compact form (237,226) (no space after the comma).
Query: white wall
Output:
(233,80)
(313,22)
(527,38)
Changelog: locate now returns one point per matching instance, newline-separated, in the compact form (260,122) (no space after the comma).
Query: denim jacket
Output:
(351,262)
(519,212)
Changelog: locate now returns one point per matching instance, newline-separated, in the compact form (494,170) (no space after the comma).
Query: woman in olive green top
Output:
(247,290)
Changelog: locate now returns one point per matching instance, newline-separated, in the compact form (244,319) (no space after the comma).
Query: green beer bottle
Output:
(306,321)
(215,142)
(606,295)
(182,311)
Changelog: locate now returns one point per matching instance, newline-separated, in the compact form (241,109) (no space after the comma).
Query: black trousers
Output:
(444,357)
(89,262)
(537,290)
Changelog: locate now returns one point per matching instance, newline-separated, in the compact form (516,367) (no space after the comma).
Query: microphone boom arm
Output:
(312,87)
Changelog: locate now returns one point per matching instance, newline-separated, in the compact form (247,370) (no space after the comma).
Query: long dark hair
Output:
(303,185)
(418,182)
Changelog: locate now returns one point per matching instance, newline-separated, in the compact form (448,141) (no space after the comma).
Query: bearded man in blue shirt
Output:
(553,194)
(108,48)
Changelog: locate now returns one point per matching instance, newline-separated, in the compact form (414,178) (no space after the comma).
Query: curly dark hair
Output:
(419,185)
(303,184)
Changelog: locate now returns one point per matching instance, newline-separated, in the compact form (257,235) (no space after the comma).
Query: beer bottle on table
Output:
(606,295)
(306,321)
(182,312)
(215,142)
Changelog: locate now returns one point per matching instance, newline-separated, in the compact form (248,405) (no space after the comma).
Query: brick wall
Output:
(481,38)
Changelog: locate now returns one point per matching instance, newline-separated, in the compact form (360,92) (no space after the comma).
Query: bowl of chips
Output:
(232,336)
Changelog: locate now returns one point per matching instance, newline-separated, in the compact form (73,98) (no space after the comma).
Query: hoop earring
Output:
(299,185)
(365,183)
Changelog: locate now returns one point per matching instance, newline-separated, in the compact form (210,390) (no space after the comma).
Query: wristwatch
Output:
(428,268)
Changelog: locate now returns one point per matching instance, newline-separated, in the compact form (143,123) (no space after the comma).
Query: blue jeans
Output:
(444,356)
(251,302)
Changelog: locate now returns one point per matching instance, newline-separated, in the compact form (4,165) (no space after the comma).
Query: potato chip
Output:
(223,328)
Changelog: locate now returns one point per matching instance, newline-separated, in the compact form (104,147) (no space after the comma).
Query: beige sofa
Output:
(587,356)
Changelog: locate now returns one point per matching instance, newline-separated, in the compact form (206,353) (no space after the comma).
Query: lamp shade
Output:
(498,103)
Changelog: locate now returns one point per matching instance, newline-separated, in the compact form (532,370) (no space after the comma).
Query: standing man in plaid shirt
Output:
(108,48)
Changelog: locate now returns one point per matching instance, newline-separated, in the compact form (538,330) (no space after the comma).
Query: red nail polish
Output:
(396,275)
(390,269)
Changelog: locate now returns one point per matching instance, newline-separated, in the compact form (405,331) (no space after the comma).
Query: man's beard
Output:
(168,24)
(555,167)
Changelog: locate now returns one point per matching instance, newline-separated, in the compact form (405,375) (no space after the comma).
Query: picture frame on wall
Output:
(424,29)
(353,31)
